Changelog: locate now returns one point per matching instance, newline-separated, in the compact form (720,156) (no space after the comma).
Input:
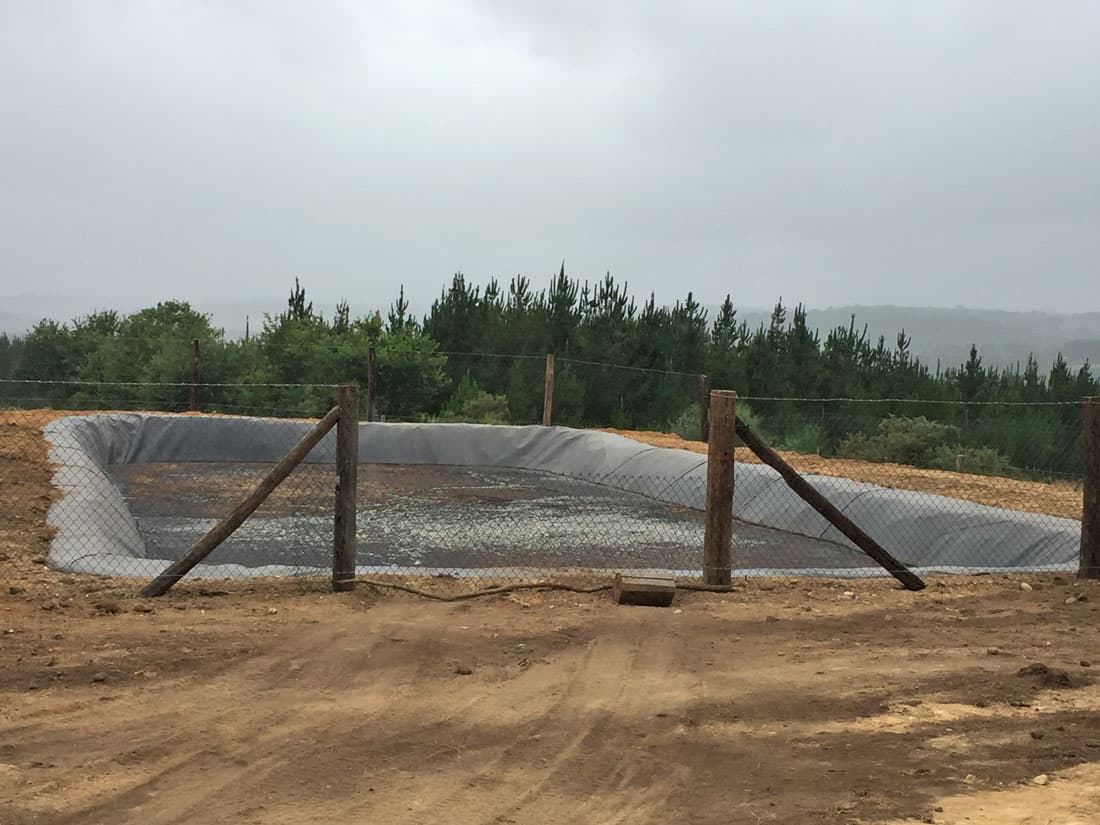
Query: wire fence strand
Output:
(945,486)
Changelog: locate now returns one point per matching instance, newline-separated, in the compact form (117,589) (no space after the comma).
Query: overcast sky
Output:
(940,152)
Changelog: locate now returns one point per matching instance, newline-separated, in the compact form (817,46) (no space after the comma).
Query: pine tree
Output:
(398,317)
(1061,381)
(297,308)
(341,320)
(972,377)
(564,315)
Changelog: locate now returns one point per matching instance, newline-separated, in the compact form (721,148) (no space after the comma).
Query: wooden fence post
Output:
(195,373)
(548,392)
(372,384)
(347,476)
(718,536)
(1090,515)
(704,408)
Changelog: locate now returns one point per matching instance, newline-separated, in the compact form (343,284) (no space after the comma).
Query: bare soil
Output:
(1055,499)
(789,703)
(25,473)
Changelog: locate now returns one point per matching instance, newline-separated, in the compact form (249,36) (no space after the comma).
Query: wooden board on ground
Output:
(654,591)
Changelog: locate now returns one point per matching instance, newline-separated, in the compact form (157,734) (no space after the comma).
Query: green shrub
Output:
(807,440)
(921,443)
(984,461)
(915,441)
(472,404)
(687,425)
(751,420)
(620,418)
(486,409)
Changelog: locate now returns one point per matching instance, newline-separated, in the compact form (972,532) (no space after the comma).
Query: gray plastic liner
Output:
(97,534)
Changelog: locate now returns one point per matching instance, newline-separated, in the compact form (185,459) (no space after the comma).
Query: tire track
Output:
(596,764)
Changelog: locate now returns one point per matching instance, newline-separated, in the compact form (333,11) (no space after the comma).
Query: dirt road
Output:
(778,703)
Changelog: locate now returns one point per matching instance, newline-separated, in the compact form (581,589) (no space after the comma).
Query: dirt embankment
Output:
(1056,499)
(25,494)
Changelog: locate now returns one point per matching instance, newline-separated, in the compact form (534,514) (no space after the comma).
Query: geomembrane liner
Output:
(610,479)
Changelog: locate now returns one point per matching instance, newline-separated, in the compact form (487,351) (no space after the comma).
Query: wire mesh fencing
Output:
(949,487)
(125,484)
(500,523)
(96,482)
(943,487)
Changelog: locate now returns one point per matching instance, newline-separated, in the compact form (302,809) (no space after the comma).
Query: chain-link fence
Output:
(102,492)
(497,523)
(92,489)
(944,487)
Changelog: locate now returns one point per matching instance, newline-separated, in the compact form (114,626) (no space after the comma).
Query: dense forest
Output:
(479,355)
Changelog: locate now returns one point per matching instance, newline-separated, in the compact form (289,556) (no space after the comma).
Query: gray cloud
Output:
(936,153)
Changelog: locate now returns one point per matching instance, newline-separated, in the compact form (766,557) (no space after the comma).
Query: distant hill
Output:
(945,334)
(939,334)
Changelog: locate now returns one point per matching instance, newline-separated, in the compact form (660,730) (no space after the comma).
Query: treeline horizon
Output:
(568,316)
(477,353)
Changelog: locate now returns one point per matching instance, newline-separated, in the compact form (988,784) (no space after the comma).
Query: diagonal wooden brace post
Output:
(806,491)
(224,529)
